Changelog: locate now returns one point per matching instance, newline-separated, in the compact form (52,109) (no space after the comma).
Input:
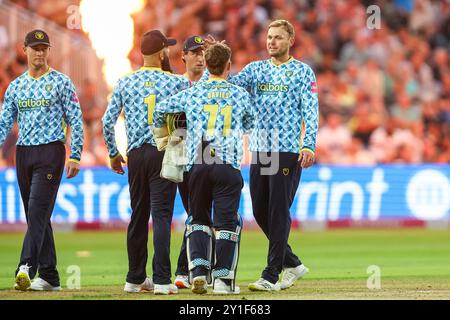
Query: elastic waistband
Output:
(144,146)
(54,143)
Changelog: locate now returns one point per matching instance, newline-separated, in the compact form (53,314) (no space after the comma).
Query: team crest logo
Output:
(285,171)
(289,73)
(198,40)
(39,35)
(49,176)
(49,87)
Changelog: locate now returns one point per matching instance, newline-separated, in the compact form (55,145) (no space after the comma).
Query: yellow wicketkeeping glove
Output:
(161,136)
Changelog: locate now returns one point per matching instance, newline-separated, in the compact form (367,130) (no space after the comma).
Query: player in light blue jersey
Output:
(43,100)
(193,57)
(217,114)
(284,92)
(137,95)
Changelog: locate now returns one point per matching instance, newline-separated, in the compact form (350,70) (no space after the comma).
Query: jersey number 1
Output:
(150,101)
(213,110)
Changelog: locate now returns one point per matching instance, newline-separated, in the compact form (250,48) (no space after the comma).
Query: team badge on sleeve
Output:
(75,97)
(314,87)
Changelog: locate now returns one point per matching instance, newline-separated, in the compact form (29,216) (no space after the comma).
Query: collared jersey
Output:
(217,112)
(137,94)
(43,106)
(284,96)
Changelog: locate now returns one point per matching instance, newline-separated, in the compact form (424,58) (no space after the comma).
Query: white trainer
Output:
(22,280)
(165,289)
(220,287)
(290,275)
(182,282)
(199,285)
(40,284)
(145,286)
(264,285)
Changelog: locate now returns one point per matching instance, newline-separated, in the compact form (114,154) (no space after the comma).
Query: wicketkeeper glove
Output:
(161,136)
(175,160)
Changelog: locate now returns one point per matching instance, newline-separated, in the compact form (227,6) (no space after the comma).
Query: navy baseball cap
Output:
(193,43)
(154,41)
(36,37)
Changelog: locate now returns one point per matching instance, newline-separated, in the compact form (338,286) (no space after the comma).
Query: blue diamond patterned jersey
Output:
(137,94)
(217,112)
(43,107)
(284,96)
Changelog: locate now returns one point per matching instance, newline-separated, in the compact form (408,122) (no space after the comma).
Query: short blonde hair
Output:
(285,24)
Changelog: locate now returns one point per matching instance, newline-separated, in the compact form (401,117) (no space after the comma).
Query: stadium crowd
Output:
(384,92)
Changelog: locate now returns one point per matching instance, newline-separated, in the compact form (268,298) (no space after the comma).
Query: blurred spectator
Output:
(363,122)
(371,80)
(93,109)
(424,75)
(406,111)
(356,50)
(9,147)
(422,17)
(382,141)
(440,63)
(4,41)
(2,162)
(214,18)
(357,153)
(403,154)
(344,97)
(52,10)
(392,143)
(333,139)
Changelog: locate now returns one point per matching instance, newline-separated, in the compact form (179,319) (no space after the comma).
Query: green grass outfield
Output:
(414,264)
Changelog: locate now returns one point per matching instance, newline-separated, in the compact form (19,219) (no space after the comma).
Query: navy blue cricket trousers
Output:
(39,172)
(149,193)
(272,196)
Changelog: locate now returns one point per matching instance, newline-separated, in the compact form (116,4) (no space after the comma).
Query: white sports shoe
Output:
(23,281)
(221,287)
(264,285)
(182,282)
(199,285)
(145,286)
(40,284)
(165,289)
(290,275)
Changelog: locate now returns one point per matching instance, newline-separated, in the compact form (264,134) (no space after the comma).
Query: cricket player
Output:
(44,101)
(137,95)
(217,114)
(284,92)
(192,56)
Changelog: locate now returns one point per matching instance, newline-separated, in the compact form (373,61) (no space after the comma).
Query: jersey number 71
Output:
(213,110)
